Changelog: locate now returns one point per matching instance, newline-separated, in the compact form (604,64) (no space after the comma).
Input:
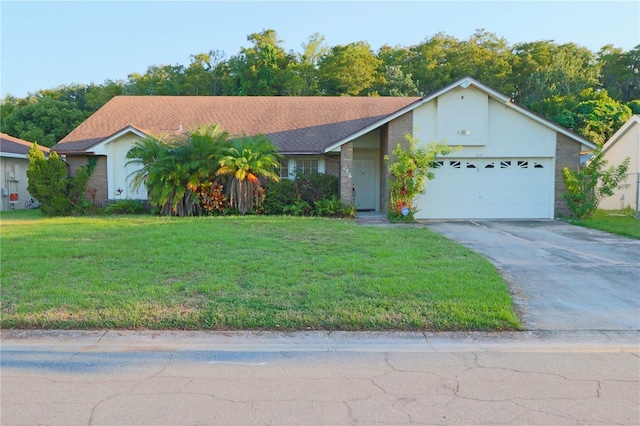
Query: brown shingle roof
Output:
(294,124)
(11,145)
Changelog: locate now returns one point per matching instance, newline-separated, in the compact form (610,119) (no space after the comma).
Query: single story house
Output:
(13,170)
(624,143)
(509,164)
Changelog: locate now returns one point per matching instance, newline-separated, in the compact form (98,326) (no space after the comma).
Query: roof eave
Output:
(635,119)
(12,155)
(75,153)
(127,129)
(373,126)
(290,153)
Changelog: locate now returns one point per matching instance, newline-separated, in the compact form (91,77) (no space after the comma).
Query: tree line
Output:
(593,93)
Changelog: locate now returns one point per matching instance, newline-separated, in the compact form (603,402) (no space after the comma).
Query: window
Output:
(437,164)
(454,164)
(505,164)
(284,169)
(523,164)
(490,166)
(471,166)
(537,166)
(306,167)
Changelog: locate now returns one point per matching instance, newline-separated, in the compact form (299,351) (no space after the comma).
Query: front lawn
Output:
(621,222)
(255,272)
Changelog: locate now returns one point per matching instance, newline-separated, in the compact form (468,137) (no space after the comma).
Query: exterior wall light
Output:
(464,132)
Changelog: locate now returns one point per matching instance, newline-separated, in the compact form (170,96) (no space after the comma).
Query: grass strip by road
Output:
(620,222)
(233,273)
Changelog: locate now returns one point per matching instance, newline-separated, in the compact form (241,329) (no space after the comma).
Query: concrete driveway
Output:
(562,277)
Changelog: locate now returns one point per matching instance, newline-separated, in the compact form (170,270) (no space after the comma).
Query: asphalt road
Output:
(196,378)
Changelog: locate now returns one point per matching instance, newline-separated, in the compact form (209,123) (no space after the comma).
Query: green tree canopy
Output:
(259,70)
(547,77)
(350,70)
(43,120)
(620,75)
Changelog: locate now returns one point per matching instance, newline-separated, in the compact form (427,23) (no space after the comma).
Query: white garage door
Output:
(470,188)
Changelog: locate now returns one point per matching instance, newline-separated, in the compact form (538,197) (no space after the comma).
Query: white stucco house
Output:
(13,170)
(509,164)
(624,143)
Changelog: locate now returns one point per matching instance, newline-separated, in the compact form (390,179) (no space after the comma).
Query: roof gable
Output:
(294,124)
(626,127)
(507,101)
(465,83)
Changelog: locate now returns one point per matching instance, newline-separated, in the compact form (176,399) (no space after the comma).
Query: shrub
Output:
(298,208)
(333,207)
(329,207)
(409,172)
(58,193)
(125,207)
(315,186)
(299,197)
(348,211)
(212,199)
(593,182)
(278,195)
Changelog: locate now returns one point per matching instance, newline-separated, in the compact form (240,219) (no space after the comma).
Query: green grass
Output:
(621,222)
(269,273)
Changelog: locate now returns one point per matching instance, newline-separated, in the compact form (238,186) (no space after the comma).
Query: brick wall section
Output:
(332,165)
(346,182)
(97,180)
(391,135)
(567,155)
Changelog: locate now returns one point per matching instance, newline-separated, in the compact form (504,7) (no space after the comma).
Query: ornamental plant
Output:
(593,182)
(48,182)
(249,162)
(409,171)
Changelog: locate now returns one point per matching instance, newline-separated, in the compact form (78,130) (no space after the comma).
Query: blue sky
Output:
(49,43)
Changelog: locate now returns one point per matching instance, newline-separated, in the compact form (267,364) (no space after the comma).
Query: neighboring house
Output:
(13,171)
(624,143)
(509,165)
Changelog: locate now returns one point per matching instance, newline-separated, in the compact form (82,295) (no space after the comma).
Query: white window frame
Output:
(284,167)
(292,163)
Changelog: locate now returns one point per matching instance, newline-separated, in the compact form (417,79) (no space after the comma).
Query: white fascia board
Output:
(12,155)
(635,119)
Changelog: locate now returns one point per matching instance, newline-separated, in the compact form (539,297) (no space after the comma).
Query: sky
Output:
(46,44)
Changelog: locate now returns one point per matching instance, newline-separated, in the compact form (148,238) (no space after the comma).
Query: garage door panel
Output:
(488,188)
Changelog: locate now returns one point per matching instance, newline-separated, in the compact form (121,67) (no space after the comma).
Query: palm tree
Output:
(249,161)
(175,169)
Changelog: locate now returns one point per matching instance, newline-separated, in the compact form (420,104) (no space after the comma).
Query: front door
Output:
(365,183)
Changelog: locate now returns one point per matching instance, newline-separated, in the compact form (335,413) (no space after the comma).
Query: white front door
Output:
(365,183)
